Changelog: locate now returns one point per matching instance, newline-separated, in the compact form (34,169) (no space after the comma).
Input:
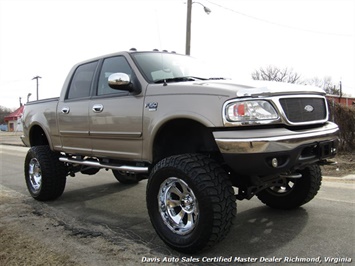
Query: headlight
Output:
(250,112)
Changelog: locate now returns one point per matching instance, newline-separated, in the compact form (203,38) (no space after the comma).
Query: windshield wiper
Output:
(217,78)
(178,79)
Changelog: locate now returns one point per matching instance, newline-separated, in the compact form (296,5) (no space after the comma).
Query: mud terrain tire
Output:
(295,192)
(45,175)
(190,202)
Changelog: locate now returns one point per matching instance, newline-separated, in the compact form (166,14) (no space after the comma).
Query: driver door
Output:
(115,116)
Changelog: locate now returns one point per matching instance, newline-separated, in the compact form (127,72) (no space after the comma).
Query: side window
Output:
(112,65)
(81,82)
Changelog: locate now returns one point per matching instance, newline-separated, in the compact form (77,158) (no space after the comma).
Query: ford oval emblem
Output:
(309,108)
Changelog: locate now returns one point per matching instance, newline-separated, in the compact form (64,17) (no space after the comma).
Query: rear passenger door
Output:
(73,117)
(115,115)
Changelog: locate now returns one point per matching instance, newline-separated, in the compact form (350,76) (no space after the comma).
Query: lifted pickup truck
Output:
(195,136)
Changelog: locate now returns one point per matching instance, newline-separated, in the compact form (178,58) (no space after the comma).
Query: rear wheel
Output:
(294,192)
(126,178)
(45,175)
(190,202)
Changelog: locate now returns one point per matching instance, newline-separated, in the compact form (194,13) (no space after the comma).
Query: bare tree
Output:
(4,111)
(273,73)
(326,84)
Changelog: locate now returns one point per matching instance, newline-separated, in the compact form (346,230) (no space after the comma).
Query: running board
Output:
(126,168)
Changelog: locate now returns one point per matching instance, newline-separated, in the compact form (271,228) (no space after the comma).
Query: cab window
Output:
(81,82)
(110,66)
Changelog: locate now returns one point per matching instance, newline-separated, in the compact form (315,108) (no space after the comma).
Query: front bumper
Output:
(252,151)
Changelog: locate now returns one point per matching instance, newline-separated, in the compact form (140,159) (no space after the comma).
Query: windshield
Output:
(160,67)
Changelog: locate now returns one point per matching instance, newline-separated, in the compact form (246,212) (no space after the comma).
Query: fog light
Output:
(274,163)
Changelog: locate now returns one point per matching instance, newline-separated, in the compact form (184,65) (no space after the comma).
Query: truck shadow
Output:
(92,192)
(260,231)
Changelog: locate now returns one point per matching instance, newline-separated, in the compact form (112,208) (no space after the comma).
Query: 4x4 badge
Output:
(309,108)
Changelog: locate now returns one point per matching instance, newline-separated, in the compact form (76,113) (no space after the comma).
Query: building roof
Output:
(14,115)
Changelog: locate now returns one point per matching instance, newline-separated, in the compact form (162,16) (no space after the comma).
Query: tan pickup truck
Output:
(195,136)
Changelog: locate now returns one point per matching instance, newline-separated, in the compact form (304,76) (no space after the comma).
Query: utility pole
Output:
(188,27)
(188,23)
(36,78)
(340,89)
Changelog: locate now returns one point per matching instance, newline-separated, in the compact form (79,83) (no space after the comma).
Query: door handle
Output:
(65,110)
(97,108)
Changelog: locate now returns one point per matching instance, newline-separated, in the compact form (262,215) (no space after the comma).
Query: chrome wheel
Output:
(35,175)
(178,206)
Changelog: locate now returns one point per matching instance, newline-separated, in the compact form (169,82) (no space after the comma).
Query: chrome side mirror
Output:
(118,81)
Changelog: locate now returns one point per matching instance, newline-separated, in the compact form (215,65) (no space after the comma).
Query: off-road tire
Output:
(126,179)
(45,175)
(302,191)
(212,206)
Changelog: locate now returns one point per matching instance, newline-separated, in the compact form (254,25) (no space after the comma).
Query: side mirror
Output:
(119,81)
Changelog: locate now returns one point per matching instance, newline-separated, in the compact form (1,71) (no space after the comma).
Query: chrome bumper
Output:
(272,140)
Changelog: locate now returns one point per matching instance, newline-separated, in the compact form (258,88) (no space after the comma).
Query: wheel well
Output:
(183,136)
(38,137)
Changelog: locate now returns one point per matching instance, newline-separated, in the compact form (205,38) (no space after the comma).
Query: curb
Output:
(347,178)
(13,144)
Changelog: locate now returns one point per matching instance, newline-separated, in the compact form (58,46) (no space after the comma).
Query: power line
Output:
(279,24)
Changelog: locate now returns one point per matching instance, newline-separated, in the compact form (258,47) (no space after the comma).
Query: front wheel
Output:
(190,202)
(294,192)
(45,175)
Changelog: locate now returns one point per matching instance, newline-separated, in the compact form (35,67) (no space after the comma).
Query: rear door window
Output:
(80,85)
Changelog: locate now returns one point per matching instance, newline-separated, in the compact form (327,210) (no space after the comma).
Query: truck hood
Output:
(233,88)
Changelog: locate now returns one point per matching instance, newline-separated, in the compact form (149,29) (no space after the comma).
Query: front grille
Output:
(300,110)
